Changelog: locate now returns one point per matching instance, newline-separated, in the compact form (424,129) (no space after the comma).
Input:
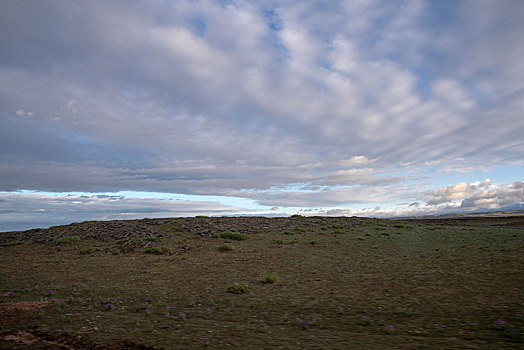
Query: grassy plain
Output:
(281,283)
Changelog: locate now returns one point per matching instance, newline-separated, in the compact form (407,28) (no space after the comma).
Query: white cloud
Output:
(20,112)
(478,195)
(450,93)
(496,198)
(355,160)
(201,97)
(485,183)
(450,193)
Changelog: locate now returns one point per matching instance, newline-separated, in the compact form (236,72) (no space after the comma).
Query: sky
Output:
(130,109)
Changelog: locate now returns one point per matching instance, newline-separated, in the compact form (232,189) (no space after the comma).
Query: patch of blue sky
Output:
(199,25)
(282,51)
(274,21)
(506,175)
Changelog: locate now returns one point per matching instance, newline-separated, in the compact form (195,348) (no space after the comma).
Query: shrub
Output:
(399,226)
(157,250)
(7,244)
(225,248)
(237,236)
(237,288)
(68,240)
(152,238)
(90,250)
(268,278)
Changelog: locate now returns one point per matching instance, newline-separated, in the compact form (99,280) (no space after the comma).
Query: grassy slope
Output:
(342,284)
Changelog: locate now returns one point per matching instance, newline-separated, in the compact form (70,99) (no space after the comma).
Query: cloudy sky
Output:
(128,109)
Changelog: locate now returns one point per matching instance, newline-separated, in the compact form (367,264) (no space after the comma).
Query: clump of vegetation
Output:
(237,288)
(157,250)
(153,238)
(288,233)
(237,236)
(399,226)
(7,244)
(90,250)
(225,248)
(268,278)
(68,240)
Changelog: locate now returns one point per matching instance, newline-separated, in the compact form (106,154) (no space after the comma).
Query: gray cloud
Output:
(241,99)
(496,198)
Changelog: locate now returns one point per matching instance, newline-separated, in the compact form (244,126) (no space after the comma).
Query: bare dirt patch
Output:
(24,339)
(13,313)
(22,306)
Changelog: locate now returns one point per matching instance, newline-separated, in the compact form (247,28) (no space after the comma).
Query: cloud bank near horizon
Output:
(342,105)
(29,210)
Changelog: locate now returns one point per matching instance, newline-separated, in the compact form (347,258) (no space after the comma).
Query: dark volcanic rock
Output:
(203,226)
(100,230)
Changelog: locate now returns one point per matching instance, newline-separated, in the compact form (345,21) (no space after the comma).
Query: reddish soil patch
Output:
(14,312)
(24,339)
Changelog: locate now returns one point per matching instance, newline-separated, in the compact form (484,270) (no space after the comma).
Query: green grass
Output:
(10,243)
(237,236)
(157,250)
(68,240)
(237,288)
(90,250)
(153,239)
(225,248)
(455,287)
(268,278)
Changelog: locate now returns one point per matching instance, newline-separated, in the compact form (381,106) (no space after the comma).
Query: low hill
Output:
(268,283)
